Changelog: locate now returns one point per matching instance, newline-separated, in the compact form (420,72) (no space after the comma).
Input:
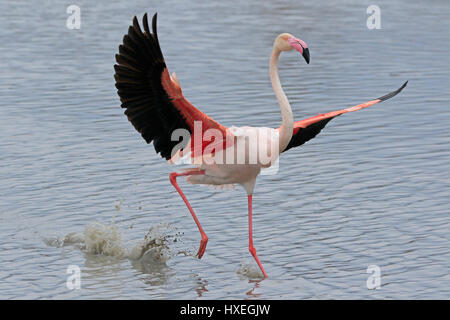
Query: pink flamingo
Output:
(156,107)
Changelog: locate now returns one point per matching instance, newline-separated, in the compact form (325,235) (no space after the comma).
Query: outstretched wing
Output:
(305,130)
(153,99)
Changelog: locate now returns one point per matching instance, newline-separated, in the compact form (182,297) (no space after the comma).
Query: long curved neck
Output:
(287,125)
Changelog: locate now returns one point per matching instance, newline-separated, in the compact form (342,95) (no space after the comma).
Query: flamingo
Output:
(156,107)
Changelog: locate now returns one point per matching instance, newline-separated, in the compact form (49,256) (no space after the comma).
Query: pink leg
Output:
(251,248)
(173,179)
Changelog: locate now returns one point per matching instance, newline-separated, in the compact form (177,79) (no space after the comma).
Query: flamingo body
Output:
(220,156)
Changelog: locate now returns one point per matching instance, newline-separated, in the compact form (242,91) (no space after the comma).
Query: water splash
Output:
(107,240)
(154,246)
(249,270)
(104,239)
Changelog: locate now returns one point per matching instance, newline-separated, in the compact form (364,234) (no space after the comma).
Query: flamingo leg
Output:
(173,179)
(251,248)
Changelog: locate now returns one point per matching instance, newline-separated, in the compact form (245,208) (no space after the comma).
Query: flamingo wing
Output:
(153,99)
(305,130)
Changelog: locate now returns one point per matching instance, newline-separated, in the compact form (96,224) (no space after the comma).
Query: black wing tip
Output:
(146,25)
(146,15)
(145,19)
(393,93)
(155,16)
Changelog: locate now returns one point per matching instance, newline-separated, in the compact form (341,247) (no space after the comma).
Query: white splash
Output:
(104,239)
(107,240)
(249,270)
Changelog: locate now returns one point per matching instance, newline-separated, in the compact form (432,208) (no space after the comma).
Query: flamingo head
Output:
(287,42)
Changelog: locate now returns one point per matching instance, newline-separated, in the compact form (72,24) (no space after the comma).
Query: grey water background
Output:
(371,189)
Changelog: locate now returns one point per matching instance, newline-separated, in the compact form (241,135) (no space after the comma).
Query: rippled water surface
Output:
(78,186)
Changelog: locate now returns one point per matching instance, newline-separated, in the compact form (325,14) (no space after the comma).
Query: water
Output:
(79,186)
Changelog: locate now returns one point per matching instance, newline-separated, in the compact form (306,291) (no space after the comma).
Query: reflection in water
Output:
(251,293)
(201,287)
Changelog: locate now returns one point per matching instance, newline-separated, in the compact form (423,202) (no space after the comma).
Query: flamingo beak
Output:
(300,46)
(305,54)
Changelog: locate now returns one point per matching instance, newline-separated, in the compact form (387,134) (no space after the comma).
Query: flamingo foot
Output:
(253,252)
(202,248)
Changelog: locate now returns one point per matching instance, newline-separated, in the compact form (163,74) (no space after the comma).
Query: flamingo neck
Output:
(287,125)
